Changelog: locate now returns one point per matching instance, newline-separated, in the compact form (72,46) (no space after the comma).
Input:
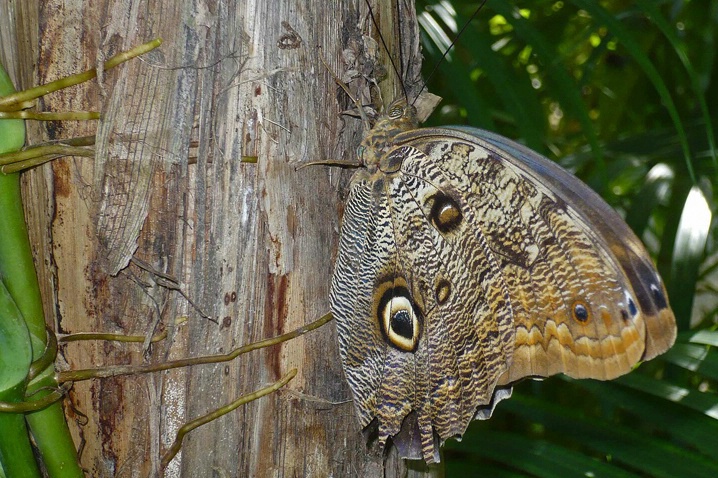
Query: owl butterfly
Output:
(467,262)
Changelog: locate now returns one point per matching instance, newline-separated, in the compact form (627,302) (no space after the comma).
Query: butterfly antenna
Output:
(386,49)
(453,42)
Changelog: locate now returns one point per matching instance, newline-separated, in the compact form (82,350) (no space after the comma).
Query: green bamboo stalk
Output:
(16,454)
(48,426)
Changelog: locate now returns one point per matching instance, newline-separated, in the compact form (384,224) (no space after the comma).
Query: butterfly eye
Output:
(396,112)
(445,213)
(399,319)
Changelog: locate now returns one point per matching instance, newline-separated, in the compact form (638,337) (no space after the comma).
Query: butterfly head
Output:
(399,117)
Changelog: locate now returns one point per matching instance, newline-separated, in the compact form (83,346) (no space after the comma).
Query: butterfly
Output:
(467,262)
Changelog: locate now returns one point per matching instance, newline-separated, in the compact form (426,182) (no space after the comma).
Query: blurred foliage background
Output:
(625,95)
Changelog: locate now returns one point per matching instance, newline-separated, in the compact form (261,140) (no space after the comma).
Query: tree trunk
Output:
(169,201)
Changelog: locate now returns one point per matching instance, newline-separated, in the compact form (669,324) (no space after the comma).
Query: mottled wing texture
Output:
(387,241)
(508,266)
(587,256)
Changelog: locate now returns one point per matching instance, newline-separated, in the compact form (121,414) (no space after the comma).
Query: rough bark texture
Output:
(251,245)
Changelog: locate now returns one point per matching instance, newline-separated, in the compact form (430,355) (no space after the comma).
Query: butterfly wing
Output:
(467,262)
(587,299)
(424,382)
(616,236)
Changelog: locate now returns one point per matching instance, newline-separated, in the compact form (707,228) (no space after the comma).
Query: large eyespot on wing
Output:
(423,338)
(466,338)
(579,284)
(379,344)
(399,318)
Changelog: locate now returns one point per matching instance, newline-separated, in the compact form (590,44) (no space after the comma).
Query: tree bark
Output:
(169,199)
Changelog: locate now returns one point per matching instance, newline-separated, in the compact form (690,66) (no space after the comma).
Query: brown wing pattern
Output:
(587,300)
(389,250)
(461,356)
(467,262)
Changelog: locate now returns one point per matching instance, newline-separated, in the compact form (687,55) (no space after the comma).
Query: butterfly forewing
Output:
(626,248)
(579,304)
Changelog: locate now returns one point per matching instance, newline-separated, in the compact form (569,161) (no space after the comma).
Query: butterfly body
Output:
(467,262)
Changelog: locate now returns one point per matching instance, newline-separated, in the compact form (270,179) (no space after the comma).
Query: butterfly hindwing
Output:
(453,365)
(466,354)
(362,348)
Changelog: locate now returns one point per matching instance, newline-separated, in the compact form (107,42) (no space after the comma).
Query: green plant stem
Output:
(45,150)
(23,165)
(48,426)
(34,406)
(76,337)
(17,161)
(16,454)
(51,116)
(46,359)
(104,372)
